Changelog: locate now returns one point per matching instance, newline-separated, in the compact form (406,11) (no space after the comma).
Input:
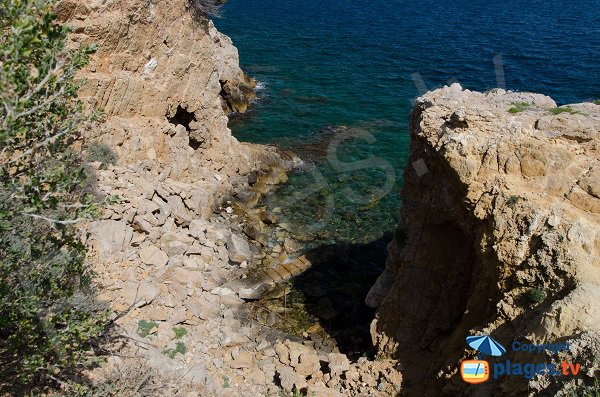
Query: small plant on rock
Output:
(102,153)
(596,102)
(518,107)
(513,200)
(563,109)
(297,393)
(145,327)
(180,332)
(179,348)
(535,295)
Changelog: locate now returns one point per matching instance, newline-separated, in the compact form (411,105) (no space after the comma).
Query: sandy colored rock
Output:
(243,360)
(112,238)
(153,256)
(238,248)
(338,363)
(495,205)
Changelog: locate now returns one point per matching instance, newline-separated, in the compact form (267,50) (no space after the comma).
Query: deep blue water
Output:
(349,63)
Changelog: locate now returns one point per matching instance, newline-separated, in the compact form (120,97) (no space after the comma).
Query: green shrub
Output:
(597,102)
(514,200)
(180,332)
(101,152)
(535,295)
(47,318)
(563,109)
(518,107)
(145,327)
(179,348)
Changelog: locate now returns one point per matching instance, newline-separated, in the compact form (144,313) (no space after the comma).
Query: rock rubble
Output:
(185,218)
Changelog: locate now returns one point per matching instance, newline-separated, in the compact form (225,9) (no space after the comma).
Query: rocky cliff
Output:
(185,223)
(499,234)
(164,78)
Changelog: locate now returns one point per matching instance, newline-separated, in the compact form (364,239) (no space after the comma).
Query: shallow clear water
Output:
(349,63)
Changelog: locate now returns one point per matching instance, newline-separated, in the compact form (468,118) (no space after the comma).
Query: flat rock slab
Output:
(254,286)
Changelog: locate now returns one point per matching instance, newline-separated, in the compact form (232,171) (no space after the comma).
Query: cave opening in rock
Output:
(182,117)
(185,118)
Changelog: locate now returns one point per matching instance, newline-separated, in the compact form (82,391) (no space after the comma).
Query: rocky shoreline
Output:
(195,267)
(186,231)
(174,279)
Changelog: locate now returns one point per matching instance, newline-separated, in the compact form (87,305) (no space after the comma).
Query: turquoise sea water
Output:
(326,64)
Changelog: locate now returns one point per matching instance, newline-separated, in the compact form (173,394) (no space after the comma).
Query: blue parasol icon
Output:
(486,345)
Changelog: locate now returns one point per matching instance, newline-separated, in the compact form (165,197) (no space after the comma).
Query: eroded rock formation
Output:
(186,217)
(164,78)
(499,234)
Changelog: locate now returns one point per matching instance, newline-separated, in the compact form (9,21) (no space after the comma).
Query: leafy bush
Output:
(146,327)
(519,107)
(180,332)
(179,348)
(535,295)
(101,152)
(207,7)
(597,102)
(46,319)
(563,109)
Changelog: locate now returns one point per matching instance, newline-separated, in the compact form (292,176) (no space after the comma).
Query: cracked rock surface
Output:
(499,234)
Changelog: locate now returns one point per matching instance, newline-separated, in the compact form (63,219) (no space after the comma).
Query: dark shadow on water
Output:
(334,291)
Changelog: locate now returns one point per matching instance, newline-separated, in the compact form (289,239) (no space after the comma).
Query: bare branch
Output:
(55,221)
(45,142)
(41,105)
(45,80)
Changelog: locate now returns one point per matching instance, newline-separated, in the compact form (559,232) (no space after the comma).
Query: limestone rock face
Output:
(499,234)
(165,79)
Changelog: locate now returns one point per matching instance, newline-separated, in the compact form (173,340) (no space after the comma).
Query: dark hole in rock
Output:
(194,144)
(185,118)
(223,92)
(182,117)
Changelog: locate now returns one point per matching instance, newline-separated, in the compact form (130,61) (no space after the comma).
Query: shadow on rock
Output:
(334,291)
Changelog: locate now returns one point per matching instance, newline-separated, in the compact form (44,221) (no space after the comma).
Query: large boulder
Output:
(112,238)
(238,248)
(153,256)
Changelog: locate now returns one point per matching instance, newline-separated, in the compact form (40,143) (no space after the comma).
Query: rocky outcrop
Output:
(164,79)
(499,234)
(183,220)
